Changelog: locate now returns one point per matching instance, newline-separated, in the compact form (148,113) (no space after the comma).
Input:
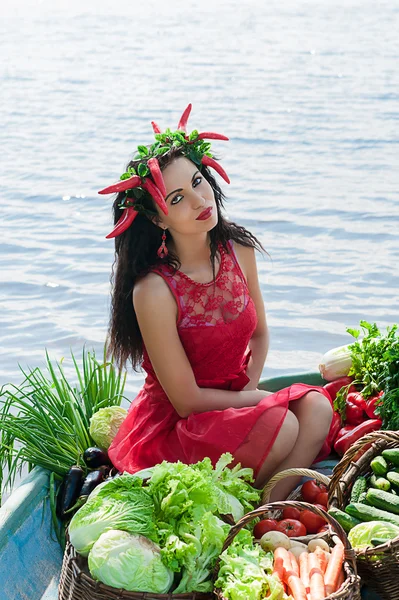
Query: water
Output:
(307,93)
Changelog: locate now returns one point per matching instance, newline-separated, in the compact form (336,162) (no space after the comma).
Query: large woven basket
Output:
(77,584)
(381,575)
(350,589)
(296,493)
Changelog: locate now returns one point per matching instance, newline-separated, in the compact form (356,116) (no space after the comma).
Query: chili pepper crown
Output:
(147,176)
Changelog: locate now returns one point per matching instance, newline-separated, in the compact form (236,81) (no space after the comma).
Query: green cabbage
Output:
(360,536)
(128,561)
(104,425)
(121,503)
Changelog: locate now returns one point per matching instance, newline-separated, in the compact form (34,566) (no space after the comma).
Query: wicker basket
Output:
(381,575)
(350,589)
(296,493)
(77,584)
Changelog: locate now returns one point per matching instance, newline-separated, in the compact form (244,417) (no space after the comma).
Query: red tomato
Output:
(311,489)
(291,513)
(312,521)
(323,529)
(264,526)
(322,499)
(291,527)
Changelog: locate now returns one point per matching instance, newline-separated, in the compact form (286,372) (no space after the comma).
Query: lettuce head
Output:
(104,425)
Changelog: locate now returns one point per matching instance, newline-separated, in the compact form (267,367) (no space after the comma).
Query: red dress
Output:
(215,323)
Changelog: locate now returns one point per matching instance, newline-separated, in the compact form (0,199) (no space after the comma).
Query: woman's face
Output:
(190,199)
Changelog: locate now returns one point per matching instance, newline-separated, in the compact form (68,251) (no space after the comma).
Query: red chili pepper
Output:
(157,176)
(334,386)
(156,194)
(372,404)
(210,162)
(155,127)
(357,398)
(122,186)
(354,414)
(343,443)
(129,214)
(208,135)
(184,118)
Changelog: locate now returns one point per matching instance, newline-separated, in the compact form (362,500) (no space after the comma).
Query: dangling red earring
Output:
(162,250)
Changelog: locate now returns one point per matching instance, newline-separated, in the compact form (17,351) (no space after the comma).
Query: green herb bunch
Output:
(375,368)
(45,421)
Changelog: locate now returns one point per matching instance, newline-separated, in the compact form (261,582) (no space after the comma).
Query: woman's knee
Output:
(286,437)
(319,411)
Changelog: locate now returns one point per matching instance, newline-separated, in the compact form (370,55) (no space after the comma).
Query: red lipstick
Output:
(205,214)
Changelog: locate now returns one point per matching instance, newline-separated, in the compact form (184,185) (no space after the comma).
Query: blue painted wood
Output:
(30,556)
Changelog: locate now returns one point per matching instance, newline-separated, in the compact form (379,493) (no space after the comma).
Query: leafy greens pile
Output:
(179,508)
(375,368)
(245,572)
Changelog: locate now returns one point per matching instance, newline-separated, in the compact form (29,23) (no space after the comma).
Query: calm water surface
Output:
(307,93)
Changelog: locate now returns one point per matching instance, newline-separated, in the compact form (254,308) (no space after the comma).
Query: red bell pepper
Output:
(357,399)
(334,386)
(343,443)
(353,414)
(372,404)
(345,430)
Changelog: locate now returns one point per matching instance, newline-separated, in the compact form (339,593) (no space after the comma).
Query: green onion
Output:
(45,421)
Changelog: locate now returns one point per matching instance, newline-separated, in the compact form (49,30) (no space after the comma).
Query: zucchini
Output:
(392,455)
(345,520)
(359,487)
(379,466)
(393,477)
(384,500)
(370,513)
(380,483)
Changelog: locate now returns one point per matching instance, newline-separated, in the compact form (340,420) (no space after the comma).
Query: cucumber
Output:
(363,498)
(392,456)
(383,500)
(380,483)
(359,487)
(344,519)
(379,465)
(393,477)
(370,513)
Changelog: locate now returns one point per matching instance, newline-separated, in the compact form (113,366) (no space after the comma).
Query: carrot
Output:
(341,579)
(333,568)
(294,563)
(278,568)
(296,587)
(304,570)
(317,588)
(321,555)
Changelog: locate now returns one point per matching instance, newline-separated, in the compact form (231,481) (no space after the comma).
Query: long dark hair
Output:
(136,255)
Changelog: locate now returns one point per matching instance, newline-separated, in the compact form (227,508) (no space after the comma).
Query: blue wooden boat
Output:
(30,555)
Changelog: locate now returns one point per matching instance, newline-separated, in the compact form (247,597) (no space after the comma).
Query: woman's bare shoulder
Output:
(152,291)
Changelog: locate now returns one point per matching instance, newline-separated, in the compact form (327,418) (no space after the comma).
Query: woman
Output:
(186,305)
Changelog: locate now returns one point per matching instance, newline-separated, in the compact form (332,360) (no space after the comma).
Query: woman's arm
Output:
(259,342)
(156,312)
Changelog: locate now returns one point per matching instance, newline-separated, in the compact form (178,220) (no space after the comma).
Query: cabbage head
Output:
(121,503)
(129,561)
(104,425)
(360,535)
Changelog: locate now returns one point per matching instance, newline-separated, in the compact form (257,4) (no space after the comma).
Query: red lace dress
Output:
(215,323)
